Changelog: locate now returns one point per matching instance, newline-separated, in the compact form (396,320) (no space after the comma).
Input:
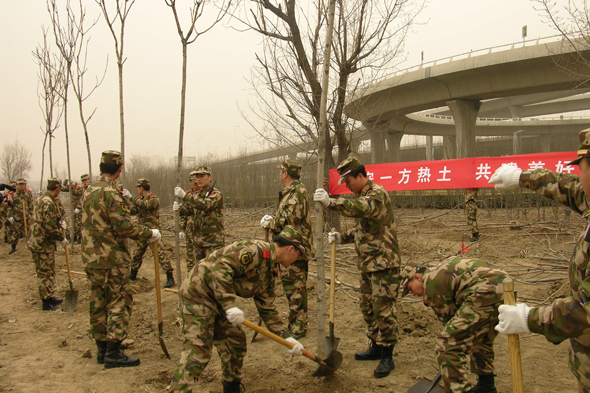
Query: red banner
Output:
(452,174)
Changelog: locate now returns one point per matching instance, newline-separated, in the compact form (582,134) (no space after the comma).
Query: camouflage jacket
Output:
(374,237)
(245,269)
(106,222)
(566,317)
(293,210)
(16,211)
(470,195)
(457,279)
(76,193)
(45,230)
(207,218)
(187,214)
(147,209)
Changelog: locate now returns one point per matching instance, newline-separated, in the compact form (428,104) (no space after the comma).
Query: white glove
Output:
(64,242)
(235,316)
(507,177)
(11,220)
(63,224)
(321,195)
(181,235)
(179,192)
(334,237)
(156,235)
(175,206)
(126,193)
(513,319)
(76,210)
(298,347)
(266,220)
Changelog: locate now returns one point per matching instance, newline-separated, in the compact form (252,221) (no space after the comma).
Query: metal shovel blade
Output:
(71,300)
(333,363)
(332,341)
(425,385)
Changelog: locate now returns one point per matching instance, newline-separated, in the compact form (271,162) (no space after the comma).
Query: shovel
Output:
(331,341)
(425,385)
(159,300)
(71,295)
(513,341)
(326,367)
(266,230)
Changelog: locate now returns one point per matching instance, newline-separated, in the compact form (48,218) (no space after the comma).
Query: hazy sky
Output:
(219,65)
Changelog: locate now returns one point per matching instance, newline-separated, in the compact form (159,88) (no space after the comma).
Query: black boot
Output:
(170,283)
(133,275)
(233,387)
(47,306)
(386,365)
(79,239)
(485,384)
(373,353)
(101,351)
(115,358)
(13,250)
(55,301)
(474,237)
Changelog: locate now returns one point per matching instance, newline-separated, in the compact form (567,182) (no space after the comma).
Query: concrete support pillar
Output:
(429,148)
(517,142)
(377,147)
(394,140)
(546,144)
(449,147)
(465,114)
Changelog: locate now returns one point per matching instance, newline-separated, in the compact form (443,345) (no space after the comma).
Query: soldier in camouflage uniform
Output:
(187,222)
(207,205)
(7,225)
(376,244)
(76,191)
(565,318)
(471,212)
(465,295)
(147,208)
(47,229)
(106,223)
(21,199)
(293,209)
(209,305)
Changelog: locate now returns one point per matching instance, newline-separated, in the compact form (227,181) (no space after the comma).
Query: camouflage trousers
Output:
(45,266)
(17,231)
(471,214)
(141,247)
(190,250)
(470,332)
(77,224)
(199,253)
(579,361)
(202,328)
(110,303)
(294,279)
(378,295)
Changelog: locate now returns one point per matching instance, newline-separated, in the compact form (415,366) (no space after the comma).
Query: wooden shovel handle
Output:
(158,293)
(266,230)
(280,340)
(513,342)
(68,260)
(333,280)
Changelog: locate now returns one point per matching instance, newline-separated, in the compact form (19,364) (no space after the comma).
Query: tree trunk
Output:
(121,113)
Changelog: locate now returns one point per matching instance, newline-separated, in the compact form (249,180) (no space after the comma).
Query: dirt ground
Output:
(44,351)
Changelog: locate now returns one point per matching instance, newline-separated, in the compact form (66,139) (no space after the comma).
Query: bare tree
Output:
(50,90)
(368,37)
(123,7)
(186,38)
(15,161)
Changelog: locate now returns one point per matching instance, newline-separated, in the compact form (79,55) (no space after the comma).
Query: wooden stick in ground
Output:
(513,342)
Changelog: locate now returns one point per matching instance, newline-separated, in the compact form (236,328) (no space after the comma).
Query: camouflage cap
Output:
(347,166)
(85,177)
(292,167)
(407,274)
(192,175)
(584,148)
(142,182)
(203,169)
(12,183)
(21,181)
(53,182)
(293,236)
(111,157)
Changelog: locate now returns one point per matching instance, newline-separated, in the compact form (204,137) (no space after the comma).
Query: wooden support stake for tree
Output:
(513,342)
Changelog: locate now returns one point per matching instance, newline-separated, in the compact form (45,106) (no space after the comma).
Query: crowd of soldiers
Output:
(465,293)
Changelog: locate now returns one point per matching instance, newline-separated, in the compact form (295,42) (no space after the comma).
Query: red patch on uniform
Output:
(186,192)
(151,196)
(266,254)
